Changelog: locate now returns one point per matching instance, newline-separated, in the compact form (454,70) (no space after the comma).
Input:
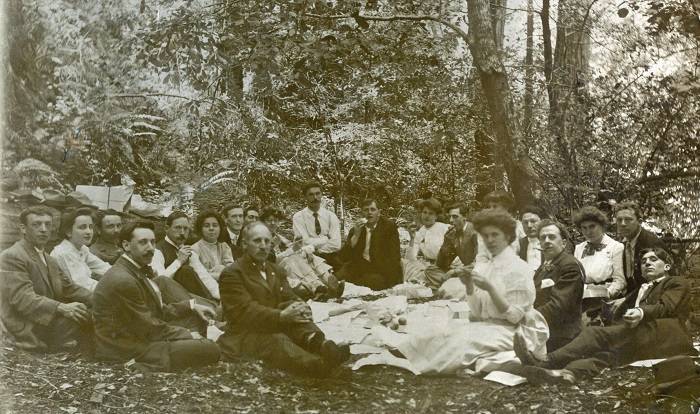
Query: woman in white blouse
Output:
(426,242)
(501,292)
(213,252)
(600,255)
(73,254)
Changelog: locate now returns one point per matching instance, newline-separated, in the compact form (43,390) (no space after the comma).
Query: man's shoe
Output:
(334,354)
(526,356)
(542,376)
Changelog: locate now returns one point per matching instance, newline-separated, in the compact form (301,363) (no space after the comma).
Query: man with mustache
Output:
(174,259)
(559,284)
(266,320)
(106,245)
(131,320)
(648,323)
(40,306)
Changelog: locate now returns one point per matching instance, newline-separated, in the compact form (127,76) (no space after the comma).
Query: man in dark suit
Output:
(530,245)
(460,241)
(234,223)
(131,320)
(40,306)
(559,285)
(628,218)
(372,252)
(648,323)
(266,320)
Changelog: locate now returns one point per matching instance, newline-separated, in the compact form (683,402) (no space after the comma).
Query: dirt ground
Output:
(71,383)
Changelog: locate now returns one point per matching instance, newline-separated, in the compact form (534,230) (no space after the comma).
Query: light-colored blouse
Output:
(604,265)
(428,241)
(513,278)
(79,264)
(213,254)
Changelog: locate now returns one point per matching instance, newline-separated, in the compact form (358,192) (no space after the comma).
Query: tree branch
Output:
(669,176)
(397,17)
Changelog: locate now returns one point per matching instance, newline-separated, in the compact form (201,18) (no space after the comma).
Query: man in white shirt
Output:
(530,245)
(318,228)
(174,259)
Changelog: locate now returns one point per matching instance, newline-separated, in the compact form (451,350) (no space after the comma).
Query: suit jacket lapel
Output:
(254,272)
(141,277)
(43,268)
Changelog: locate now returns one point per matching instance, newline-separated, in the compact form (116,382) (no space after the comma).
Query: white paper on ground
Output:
(647,363)
(359,349)
(394,304)
(386,358)
(345,335)
(213,332)
(320,310)
(505,378)
(354,290)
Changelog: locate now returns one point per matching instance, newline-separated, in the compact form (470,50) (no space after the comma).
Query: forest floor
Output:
(68,382)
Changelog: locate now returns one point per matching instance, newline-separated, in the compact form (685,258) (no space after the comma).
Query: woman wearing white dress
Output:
(73,254)
(600,255)
(426,242)
(500,294)
(212,250)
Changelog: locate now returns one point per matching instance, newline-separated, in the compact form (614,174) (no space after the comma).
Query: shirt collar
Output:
(167,239)
(655,281)
(533,240)
(127,257)
(633,241)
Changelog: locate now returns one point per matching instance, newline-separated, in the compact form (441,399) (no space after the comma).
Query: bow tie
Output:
(148,272)
(591,248)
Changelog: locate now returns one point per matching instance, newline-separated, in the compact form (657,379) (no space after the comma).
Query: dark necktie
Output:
(148,271)
(591,248)
(317,224)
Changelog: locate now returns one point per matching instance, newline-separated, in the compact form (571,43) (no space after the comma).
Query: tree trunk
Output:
(529,70)
(494,80)
(570,71)
(498,21)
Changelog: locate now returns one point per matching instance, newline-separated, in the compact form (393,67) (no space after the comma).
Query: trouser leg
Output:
(177,355)
(187,277)
(434,276)
(591,341)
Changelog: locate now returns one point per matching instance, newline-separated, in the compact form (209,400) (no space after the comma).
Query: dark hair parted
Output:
(431,204)
(500,197)
(102,214)
(36,210)
(68,219)
(660,252)
(463,208)
(268,212)
(174,216)
(368,202)
(533,210)
(199,223)
(128,230)
(250,207)
(630,205)
(590,213)
(309,185)
(230,207)
(499,219)
(563,232)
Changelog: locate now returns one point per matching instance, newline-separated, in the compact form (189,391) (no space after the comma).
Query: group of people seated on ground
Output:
(148,303)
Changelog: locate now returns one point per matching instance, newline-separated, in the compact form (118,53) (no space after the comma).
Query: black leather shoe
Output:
(526,356)
(334,354)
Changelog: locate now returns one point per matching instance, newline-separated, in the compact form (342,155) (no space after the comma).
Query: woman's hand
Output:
(481,282)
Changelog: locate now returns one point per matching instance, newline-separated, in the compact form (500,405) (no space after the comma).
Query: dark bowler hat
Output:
(674,372)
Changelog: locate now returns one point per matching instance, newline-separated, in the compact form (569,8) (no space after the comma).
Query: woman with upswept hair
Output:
(500,292)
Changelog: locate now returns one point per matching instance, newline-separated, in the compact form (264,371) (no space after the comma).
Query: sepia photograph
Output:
(350,206)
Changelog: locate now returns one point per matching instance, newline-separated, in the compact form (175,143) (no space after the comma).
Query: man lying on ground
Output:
(648,323)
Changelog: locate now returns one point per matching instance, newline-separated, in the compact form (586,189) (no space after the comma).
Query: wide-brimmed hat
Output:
(78,199)
(674,372)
